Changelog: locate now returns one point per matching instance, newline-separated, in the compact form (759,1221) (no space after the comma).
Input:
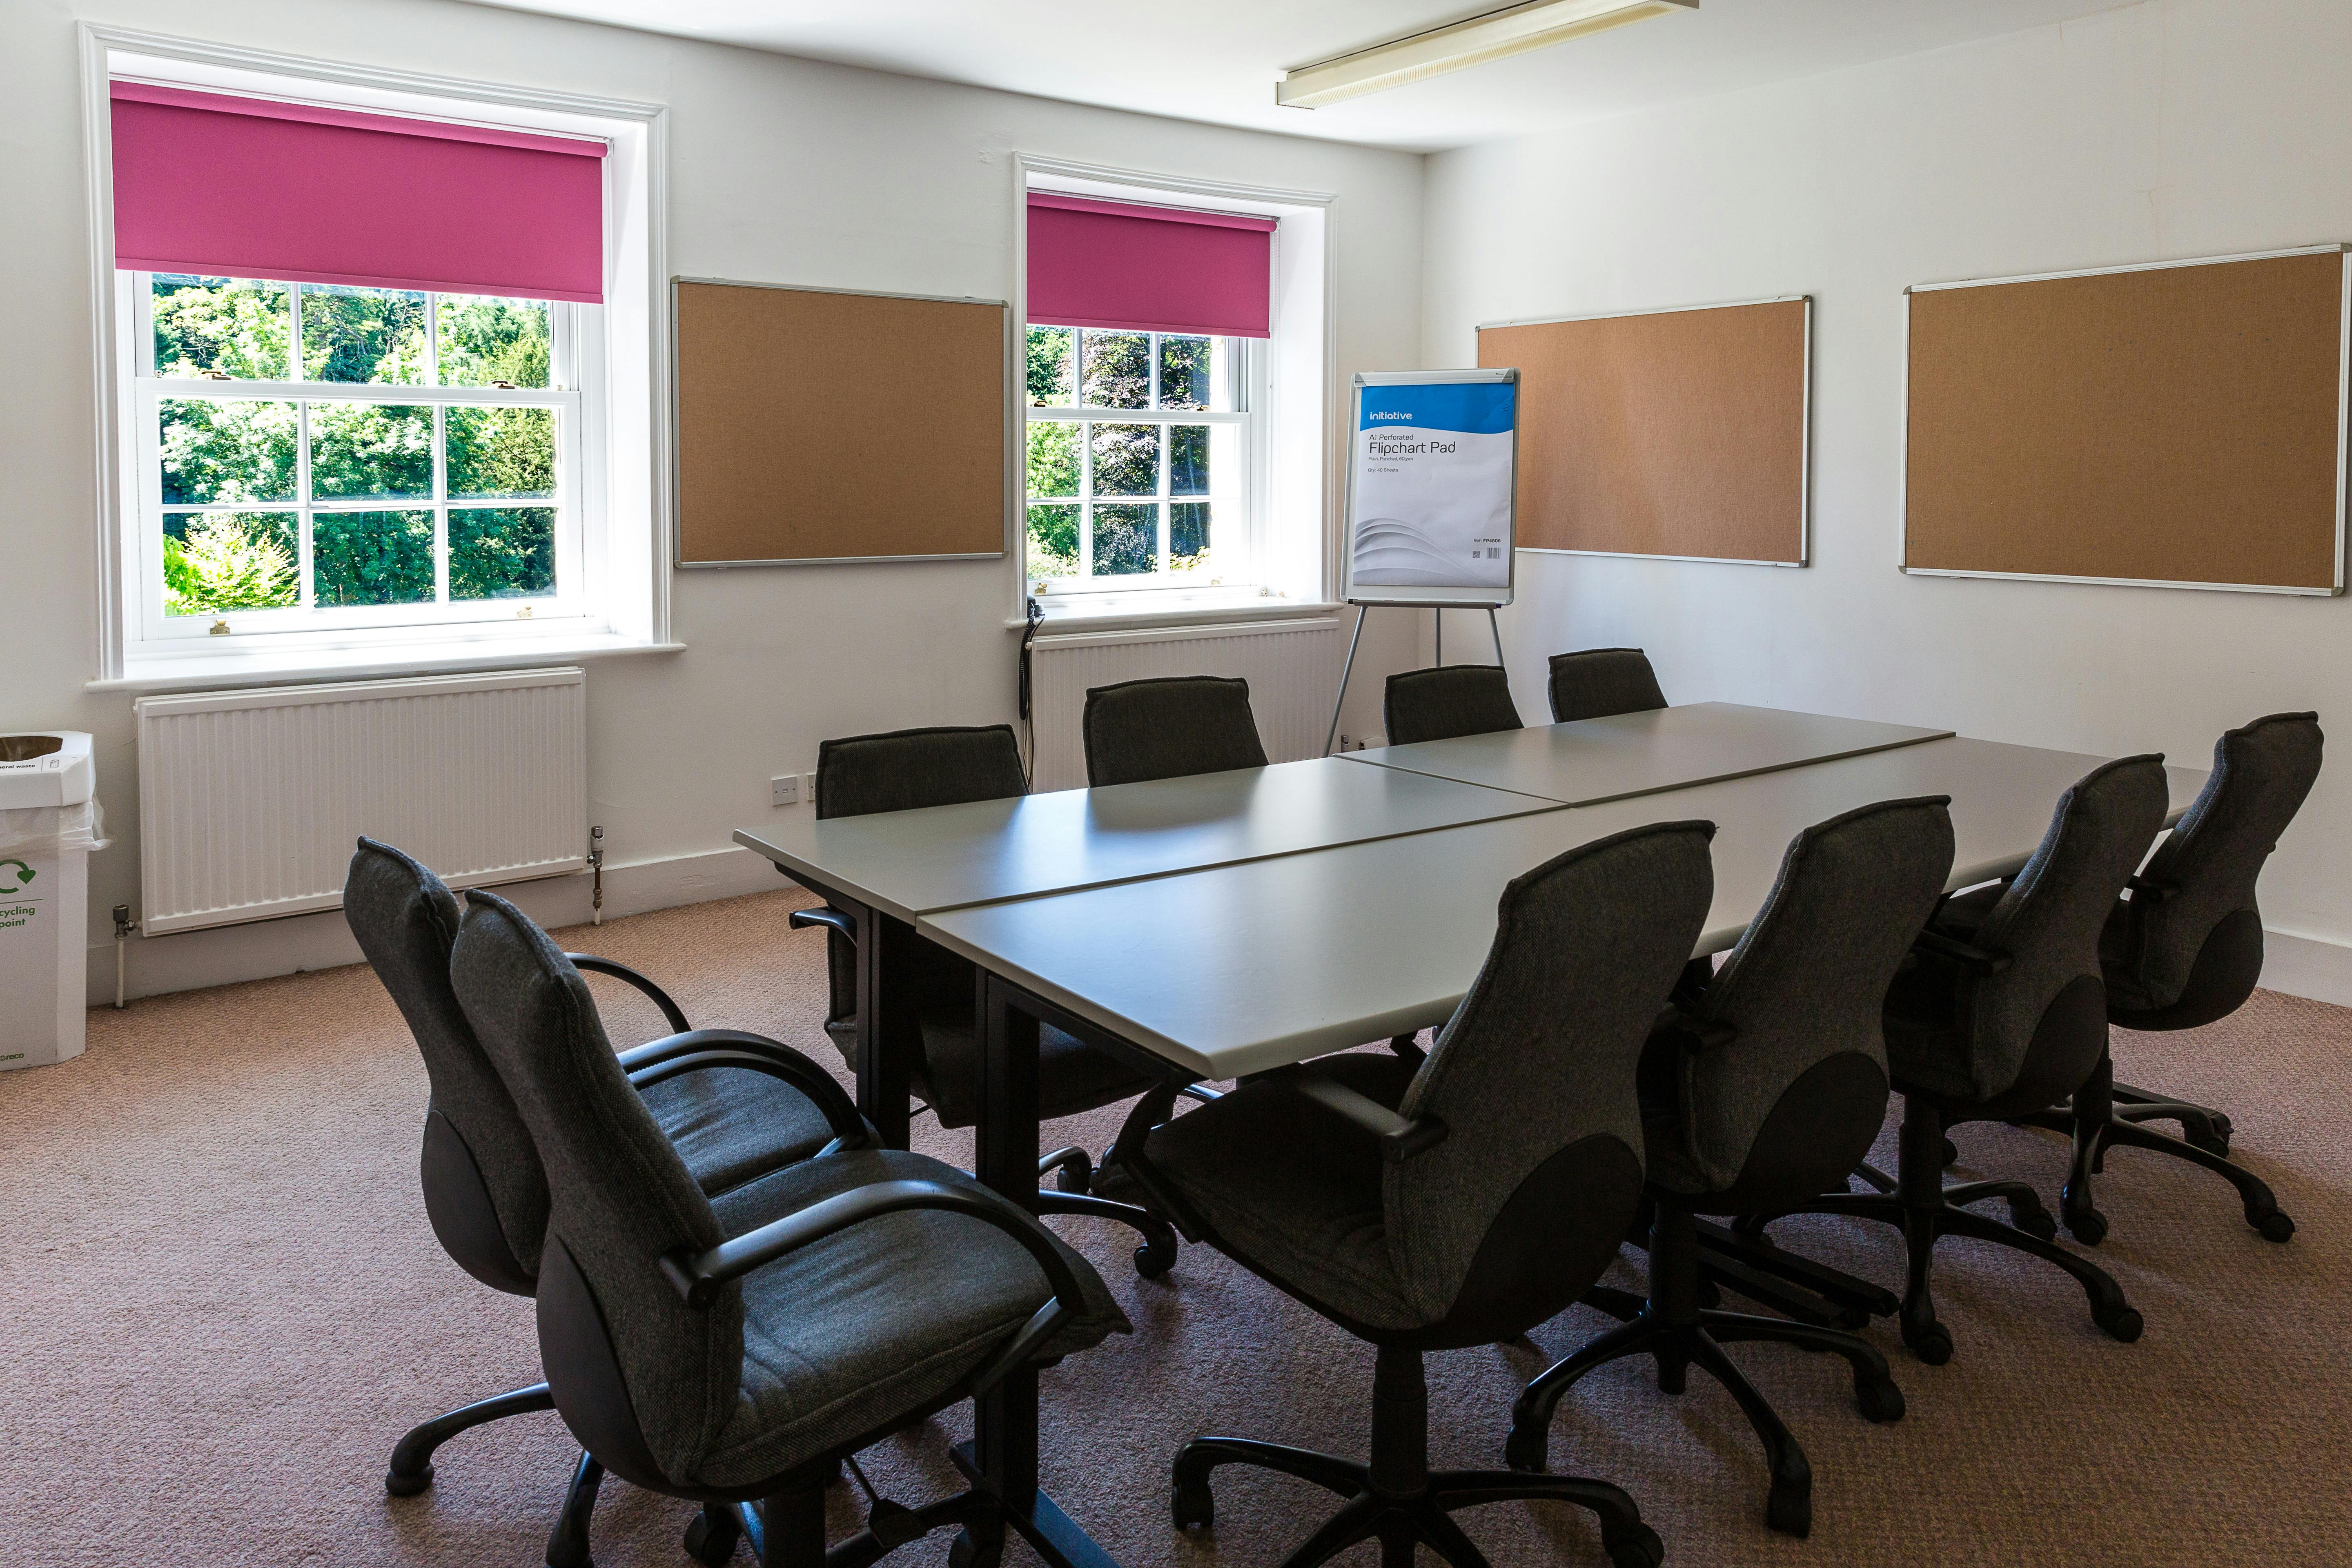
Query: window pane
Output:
(372,557)
(227,451)
(1188,536)
(1188,460)
(1053,540)
(500,452)
(1184,373)
(1118,370)
(233,327)
(1127,539)
(488,341)
(215,561)
(502,552)
(1127,460)
(363,334)
(371,451)
(1052,458)
(1049,365)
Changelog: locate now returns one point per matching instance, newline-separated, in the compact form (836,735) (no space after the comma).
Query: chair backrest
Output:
(2048,922)
(1805,990)
(1530,1194)
(645,1382)
(941,766)
(1594,682)
(484,1189)
(2205,872)
(1168,726)
(1448,700)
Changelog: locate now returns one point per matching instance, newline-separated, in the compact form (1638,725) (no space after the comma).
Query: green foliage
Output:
(372,335)
(235,326)
(501,554)
(1053,540)
(1127,539)
(1125,458)
(486,340)
(228,561)
(1052,458)
(232,450)
(372,557)
(1185,367)
(1116,373)
(369,449)
(498,452)
(1049,364)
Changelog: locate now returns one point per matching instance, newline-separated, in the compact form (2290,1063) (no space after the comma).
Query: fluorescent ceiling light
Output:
(1514,30)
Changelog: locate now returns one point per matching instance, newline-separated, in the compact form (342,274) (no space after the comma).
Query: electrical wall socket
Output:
(808,788)
(785,789)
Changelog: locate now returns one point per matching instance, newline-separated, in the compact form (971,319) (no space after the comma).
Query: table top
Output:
(1252,966)
(1594,760)
(908,863)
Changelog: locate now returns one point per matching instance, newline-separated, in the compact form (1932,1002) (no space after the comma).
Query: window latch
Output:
(219,629)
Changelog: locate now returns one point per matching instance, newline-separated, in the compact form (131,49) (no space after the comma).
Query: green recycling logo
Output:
(23,874)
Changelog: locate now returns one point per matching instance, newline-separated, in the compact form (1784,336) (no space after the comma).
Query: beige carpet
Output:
(223,1305)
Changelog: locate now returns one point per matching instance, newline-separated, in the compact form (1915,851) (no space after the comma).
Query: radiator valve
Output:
(596,869)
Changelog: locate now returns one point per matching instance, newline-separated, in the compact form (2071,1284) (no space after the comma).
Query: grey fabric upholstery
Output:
(1806,984)
(1450,699)
(1538,1062)
(731,1124)
(2206,870)
(1966,1035)
(905,768)
(1071,1076)
(1170,727)
(780,1364)
(1594,682)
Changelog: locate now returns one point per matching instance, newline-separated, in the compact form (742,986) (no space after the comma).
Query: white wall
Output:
(781,170)
(2176,128)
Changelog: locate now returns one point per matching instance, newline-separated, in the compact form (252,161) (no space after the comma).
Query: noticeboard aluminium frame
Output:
(1424,597)
(2343,426)
(677,466)
(1804,437)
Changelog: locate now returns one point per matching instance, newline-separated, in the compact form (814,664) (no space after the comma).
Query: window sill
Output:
(1204,610)
(212,669)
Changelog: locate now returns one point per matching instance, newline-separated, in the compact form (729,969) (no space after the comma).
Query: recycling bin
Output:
(48,825)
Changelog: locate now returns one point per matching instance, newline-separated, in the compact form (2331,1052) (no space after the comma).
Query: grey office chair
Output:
(1595,682)
(1449,699)
(1456,1203)
(945,767)
(735,1348)
(735,1106)
(1168,726)
(1765,1085)
(2181,949)
(2000,1027)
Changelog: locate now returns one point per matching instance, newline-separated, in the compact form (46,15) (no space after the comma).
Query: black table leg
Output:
(887,1030)
(1002,1455)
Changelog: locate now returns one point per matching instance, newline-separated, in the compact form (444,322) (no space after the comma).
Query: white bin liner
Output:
(39,831)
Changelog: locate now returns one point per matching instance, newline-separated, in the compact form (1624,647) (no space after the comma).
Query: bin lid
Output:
(44,767)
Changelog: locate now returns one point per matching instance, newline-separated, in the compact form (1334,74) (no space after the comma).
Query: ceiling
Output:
(1217,61)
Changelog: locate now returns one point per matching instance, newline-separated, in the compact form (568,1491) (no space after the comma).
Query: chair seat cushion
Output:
(1927,1049)
(731,1124)
(879,1323)
(1292,1191)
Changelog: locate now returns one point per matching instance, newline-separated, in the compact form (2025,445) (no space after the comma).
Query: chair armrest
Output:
(697,1277)
(824,915)
(1399,1139)
(2151,889)
(1981,959)
(590,964)
(699,1050)
(1698,1034)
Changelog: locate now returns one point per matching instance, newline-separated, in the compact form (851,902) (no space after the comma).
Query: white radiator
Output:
(249,801)
(1292,667)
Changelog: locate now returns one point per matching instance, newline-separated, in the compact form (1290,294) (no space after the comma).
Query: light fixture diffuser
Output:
(1514,30)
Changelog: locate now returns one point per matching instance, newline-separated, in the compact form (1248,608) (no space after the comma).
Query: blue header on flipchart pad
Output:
(1472,408)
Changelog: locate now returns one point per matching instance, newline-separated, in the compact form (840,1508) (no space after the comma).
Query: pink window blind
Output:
(1137,268)
(245,187)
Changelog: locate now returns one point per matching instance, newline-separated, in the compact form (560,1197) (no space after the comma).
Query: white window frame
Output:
(615,598)
(1286,552)
(143,406)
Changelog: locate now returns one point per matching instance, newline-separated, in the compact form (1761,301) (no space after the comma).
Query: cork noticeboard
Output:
(2175,425)
(1680,434)
(816,426)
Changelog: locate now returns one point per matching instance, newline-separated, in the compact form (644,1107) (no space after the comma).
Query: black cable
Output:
(1028,714)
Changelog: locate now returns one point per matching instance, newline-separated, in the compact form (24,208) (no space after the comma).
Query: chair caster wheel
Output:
(1931,1342)
(2028,1215)
(1526,1451)
(965,1551)
(2120,1322)
(1154,1258)
(1190,1503)
(711,1539)
(1790,1511)
(399,1485)
(1879,1400)
(1637,1548)
(2216,1142)
(2088,1226)
(2276,1225)
(1710,1295)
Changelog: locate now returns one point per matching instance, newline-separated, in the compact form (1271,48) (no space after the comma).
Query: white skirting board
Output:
(2307,966)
